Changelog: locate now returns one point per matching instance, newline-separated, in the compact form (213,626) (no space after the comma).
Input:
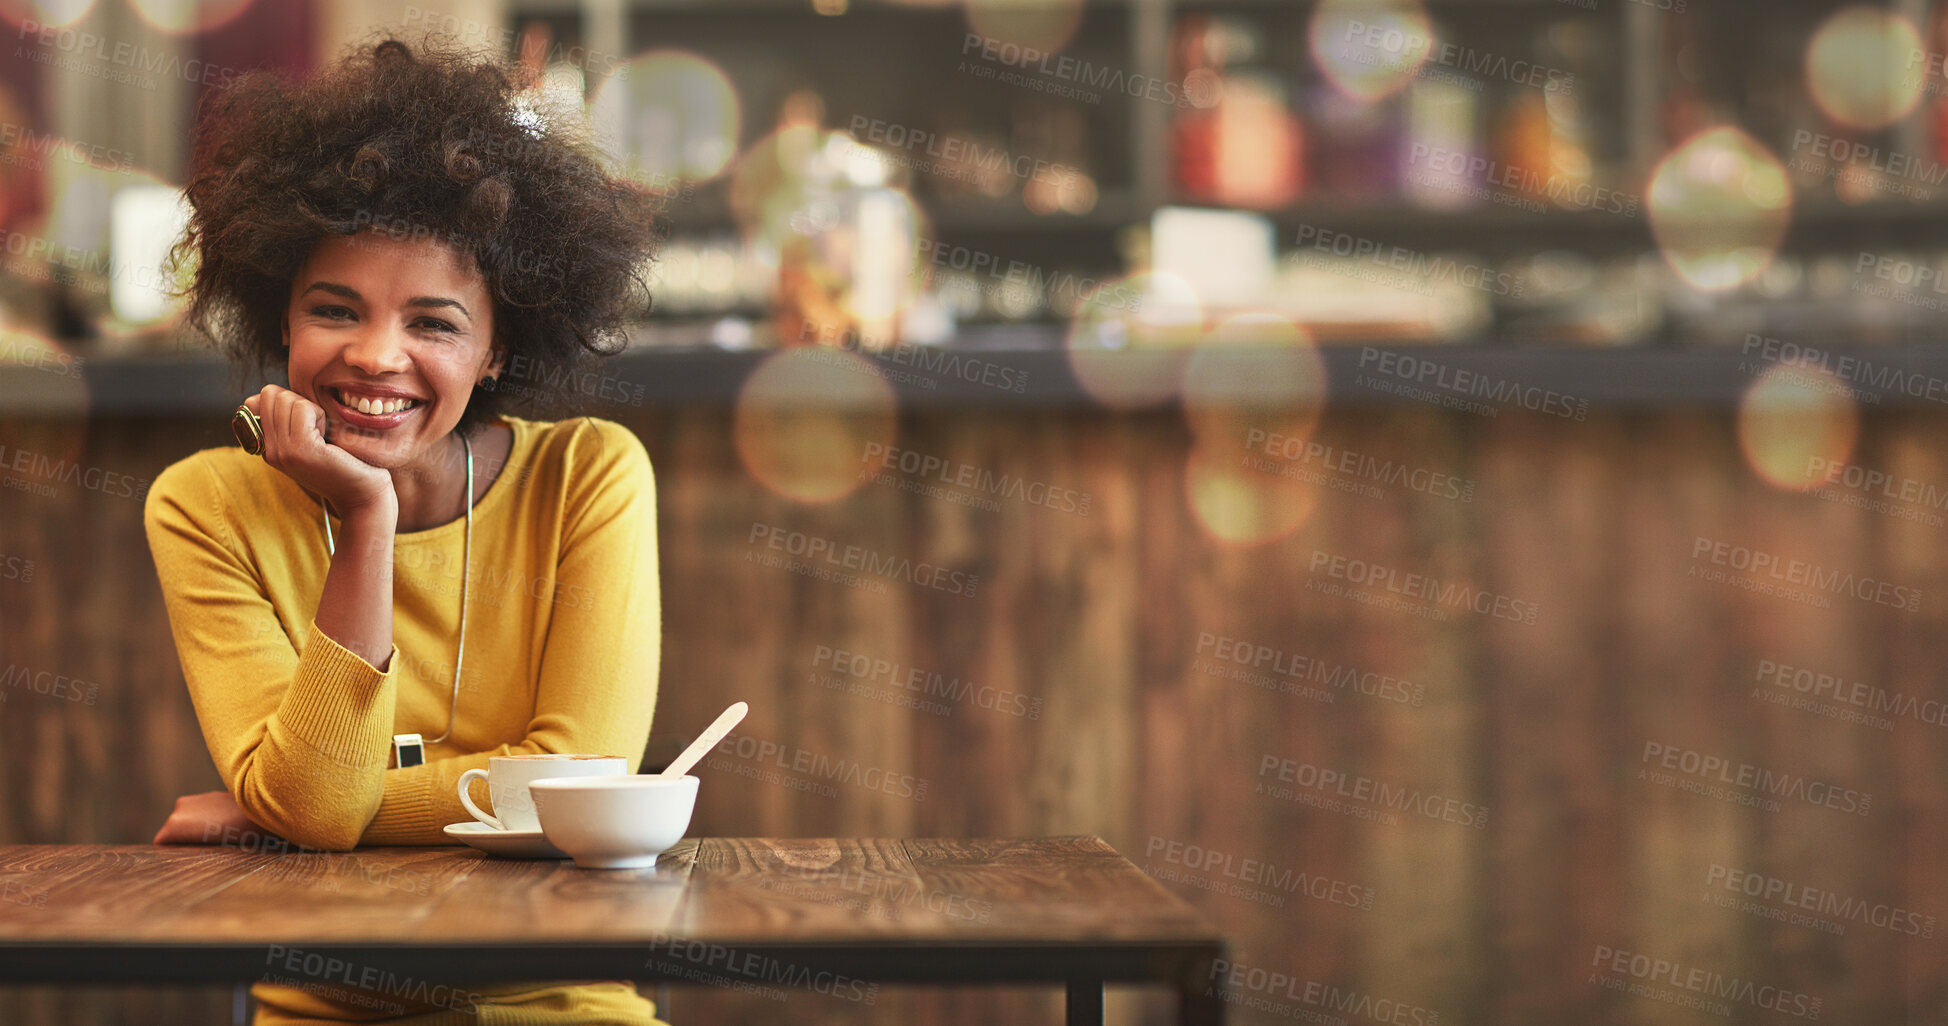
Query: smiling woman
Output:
(397,233)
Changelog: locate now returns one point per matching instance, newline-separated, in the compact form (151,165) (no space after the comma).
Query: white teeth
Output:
(365,404)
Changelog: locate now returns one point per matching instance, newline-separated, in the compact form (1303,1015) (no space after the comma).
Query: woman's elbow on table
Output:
(323,823)
(314,833)
(329,838)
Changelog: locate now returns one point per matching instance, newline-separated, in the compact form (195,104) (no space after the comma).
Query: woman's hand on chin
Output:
(295,443)
(213,817)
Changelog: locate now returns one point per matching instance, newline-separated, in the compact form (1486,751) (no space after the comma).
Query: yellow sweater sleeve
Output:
(299,733)
(598,677)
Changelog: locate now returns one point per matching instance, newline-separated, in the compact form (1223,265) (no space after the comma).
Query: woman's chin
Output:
(388,452)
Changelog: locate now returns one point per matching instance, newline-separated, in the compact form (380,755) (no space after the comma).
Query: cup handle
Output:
(466,800)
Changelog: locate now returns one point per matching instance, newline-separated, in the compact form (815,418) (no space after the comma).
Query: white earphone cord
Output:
(466,573)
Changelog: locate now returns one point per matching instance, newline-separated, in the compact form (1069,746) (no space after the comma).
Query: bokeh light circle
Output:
(1253,377)
(876,247)
(1204,87)
(1859,67)
(1237,500)
(182,17)
(815,206)
(770,182)
(109,229)
(808,420)
(1369,49)
(677,114)
(43,13)
(1796,421)
(1130,339)
(1719,205)
(848,264)
(1008,29)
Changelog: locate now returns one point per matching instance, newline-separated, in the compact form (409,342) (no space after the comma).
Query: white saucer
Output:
(511,844)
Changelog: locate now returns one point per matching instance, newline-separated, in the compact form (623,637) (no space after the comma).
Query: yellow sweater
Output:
(564,626)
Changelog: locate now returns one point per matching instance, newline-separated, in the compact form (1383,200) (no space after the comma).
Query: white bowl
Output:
(614,822)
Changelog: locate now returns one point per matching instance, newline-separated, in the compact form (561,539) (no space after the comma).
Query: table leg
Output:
(1199,1005)
(1085,1003)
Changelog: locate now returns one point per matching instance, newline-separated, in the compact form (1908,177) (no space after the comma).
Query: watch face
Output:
(408,750)
(249,430)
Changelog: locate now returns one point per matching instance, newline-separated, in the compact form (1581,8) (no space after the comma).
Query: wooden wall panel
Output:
(1110,623)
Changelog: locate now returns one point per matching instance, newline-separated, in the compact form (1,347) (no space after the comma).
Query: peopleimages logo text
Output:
(1847,151)
(1853,371)
(845,771)
(15,568)
(1423,371)
(928,359)
(1295,448)
(926,682)
(1264,874)
(746,965)
(1705,981)
(1413,266)
(1448,594)
(1239,983)
(1876,482)
(1705,766)
(1373,792)
(1082,72)
(1018,274)
(966,475)
(955,150)
(1295,667)
(1808,575)
(124,54)
(1558,188)
(25,147)
(39,465)
(1855,693)
(369,980)
(1820,900)
(815,550)
(1413,49)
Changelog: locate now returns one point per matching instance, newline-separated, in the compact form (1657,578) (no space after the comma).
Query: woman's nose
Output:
(378,349)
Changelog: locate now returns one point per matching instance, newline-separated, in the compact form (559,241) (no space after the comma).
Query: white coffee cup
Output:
(508,777)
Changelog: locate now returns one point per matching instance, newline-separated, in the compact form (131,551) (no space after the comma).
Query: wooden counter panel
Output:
(1080,690)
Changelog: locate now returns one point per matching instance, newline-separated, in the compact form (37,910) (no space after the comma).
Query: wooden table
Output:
(1069,912)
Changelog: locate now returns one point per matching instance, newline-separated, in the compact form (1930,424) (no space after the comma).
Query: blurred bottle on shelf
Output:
(817,205)
(1934,84)
(1056,136)
(1684,109)
(1566,106)
(970,169)
(1442,148)
(1524,143)
(1248,148)
(1358,156)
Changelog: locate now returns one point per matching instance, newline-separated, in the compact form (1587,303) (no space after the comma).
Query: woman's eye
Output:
(332,313)
(435,324)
